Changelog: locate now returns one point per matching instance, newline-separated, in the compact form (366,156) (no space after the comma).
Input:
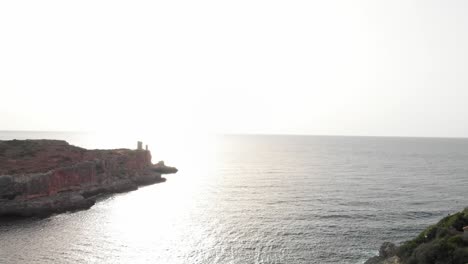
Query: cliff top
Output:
(42,155)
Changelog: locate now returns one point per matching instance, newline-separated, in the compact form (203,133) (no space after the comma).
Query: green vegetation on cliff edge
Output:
(440,243)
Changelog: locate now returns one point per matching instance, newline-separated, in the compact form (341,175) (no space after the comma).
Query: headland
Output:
(43,177)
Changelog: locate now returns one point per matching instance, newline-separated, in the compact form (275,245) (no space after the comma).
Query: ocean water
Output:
(254,199)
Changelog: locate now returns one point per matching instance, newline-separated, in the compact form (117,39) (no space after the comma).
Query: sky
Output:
(335,67)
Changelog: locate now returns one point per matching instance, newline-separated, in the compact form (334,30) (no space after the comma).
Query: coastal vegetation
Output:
(443,243)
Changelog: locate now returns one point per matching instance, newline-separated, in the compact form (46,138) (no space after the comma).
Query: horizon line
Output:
(253,134)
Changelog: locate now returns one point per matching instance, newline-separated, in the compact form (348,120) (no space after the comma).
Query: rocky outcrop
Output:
(160,167)
(387,255)
(40,177)
(442,243)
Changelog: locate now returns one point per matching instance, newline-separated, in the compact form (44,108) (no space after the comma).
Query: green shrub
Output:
(456,241)
(460,256)
(440,243)
(406,250)
(457,221)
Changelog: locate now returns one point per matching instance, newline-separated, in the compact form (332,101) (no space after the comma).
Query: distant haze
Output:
(396,68)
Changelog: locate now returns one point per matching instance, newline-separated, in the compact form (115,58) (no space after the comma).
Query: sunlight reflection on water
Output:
(254,199)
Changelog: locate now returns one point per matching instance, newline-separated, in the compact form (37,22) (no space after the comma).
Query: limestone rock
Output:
(387,250)
(387,255)
(40,177)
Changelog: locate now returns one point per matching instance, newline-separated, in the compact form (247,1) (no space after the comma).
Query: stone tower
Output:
(140,145)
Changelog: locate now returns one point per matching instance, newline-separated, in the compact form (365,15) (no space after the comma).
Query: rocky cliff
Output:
(443,243)
(40,177)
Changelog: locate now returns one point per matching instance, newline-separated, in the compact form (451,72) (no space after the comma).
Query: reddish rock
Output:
(56,176)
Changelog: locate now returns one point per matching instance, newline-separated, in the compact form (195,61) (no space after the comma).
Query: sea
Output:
(241,199)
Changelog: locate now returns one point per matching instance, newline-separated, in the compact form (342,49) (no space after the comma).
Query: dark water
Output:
(255,199)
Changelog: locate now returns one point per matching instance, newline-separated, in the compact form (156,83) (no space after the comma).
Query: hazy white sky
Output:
(296,67)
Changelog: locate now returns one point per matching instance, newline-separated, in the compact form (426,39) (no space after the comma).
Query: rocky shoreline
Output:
(43,177)
(443,243)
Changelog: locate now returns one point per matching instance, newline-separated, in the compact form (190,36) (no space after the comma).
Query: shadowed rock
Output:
(387,255)
(160,167)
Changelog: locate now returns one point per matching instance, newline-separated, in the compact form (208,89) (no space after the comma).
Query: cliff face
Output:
(47,176)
